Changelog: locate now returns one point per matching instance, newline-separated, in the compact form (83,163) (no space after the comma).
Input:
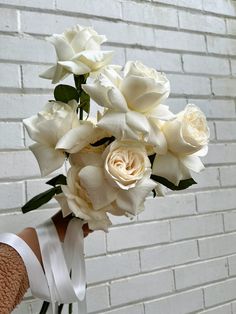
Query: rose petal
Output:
(132,201)
(192,162)
(77,138)
(48,158)
(63,49)
(75,67)
(169,166)
(161,112)
(100,192)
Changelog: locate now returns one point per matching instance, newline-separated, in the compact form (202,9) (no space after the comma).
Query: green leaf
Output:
(104,140)
(65,93)
(183,184)
(58,180)
(84,102)
(152,158)
(40,199)
(154,193)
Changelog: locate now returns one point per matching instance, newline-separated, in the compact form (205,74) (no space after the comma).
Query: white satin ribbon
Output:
(54,283)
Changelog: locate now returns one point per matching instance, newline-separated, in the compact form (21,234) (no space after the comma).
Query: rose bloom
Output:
(187,137)
(47,128)
(126,163)
(188,132)
(78,52)
(133,103)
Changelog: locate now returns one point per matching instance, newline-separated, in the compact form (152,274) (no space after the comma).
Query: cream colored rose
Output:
(79,202)
(78,52)
(47,128)
(188,132)
(133,103)
(144,88)
(126,163)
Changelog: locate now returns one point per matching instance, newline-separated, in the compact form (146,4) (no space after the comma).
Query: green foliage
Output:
(58,180)
(65,93)
(183,184)
(40,199)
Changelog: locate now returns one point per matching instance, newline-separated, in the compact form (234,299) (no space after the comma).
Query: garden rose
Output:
(187,137)
(78,52)
(47,128)
(188,132)
(133,103)
(126,163)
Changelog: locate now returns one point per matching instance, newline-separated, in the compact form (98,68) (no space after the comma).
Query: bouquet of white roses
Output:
(136,146)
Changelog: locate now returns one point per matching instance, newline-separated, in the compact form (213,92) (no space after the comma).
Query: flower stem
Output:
(44,307)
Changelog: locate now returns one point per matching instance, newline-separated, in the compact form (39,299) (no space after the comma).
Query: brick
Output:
(11,195)
(206,65)
(20,106)
(106,8)
(220,153)
(233,66)
(16,221)
(218,200)
(136,235)
(189,85)
(182,3)
(26,49)
(181,303)
(141,287)
(49,4)
(112,266)
(225,309)
(200,273)
(201,23)
(31,77)
(231,26)
(10,75)
(95,244)
(226,130)
(229,221)
(131,34)
(191,227)
(97,298)
(168,255)
(220,45)
(169,206)
(232,265)
(118,56)
(179,41)
(217,246)
(31,22)
(18,165)
(216,108)
(223,7)
(228,175)
(207,178)
(133,309)
(11,135)
(150,14)
(161,61)
(224,87)
(8,20)
(220,292)
(211,126)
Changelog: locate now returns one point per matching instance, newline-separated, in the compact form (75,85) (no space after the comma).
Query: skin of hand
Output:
(29,235)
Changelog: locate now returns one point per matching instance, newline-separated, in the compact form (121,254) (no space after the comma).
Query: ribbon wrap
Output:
(54,284)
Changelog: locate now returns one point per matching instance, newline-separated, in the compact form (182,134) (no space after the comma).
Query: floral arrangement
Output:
(136,146)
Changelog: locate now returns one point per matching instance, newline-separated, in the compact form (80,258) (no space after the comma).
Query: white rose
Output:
(78,202)
(144,88)
(187,138)
(46,128)
(78,52)
(188,132)
(121,178)
(126,163)
(133,103)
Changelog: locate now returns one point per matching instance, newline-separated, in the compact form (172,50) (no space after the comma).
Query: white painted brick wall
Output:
(179,255)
